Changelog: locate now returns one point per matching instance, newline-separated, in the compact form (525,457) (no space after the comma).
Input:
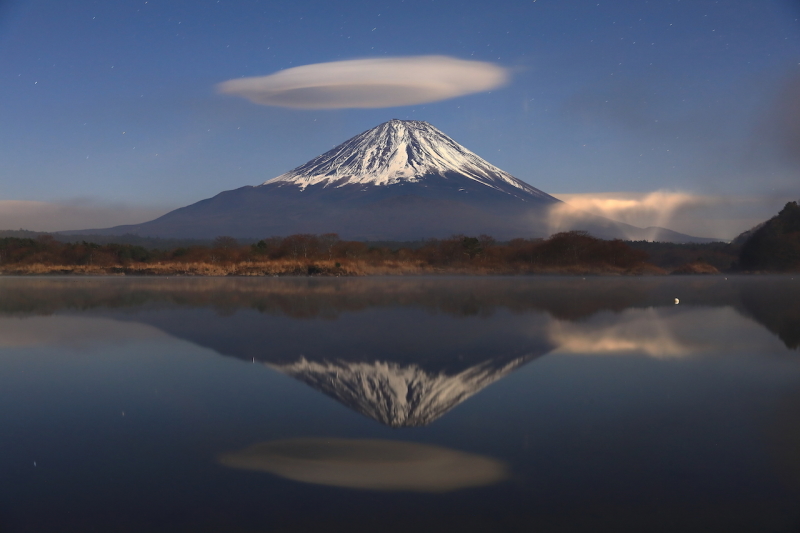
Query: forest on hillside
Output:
(571,252)
(775,245)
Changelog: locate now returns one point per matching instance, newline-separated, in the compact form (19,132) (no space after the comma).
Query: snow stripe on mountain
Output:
(399,151)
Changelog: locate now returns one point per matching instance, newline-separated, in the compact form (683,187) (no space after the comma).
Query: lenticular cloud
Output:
(369,83)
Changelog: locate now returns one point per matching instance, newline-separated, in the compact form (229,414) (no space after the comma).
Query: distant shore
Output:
(571,253)
(329,268)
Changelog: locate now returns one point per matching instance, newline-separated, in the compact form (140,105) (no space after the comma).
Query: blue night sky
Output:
(111,114)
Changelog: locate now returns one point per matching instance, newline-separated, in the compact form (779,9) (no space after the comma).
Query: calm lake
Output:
(400,405)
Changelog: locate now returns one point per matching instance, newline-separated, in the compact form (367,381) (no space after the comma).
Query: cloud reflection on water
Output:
(369,464)
(659,333)
(766,300)
(403,352)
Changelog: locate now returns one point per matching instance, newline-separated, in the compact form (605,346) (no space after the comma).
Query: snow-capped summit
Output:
(400,151)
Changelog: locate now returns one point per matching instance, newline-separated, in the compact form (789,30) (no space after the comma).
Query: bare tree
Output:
(328,241)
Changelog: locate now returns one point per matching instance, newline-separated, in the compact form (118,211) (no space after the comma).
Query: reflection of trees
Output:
(777,310)
(564,298)
(768,300)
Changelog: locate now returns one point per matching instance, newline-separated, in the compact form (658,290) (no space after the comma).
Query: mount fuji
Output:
(402,180)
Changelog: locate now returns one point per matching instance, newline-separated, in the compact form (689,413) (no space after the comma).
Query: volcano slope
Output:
(402,180)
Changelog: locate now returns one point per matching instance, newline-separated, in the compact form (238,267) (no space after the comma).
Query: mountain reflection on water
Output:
(400,404)
(406,351)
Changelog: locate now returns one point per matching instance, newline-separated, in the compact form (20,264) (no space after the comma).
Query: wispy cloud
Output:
(694,214)
(71,215)
(369,83)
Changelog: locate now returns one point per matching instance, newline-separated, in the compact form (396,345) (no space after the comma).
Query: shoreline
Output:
(346,268)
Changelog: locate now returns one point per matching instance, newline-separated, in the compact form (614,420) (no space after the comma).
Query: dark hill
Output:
(775,246)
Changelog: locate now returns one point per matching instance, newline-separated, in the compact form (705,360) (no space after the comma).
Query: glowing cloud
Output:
(369,83)
(701,215)
(640,209)
(369,464)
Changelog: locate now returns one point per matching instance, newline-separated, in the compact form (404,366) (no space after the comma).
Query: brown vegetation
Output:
(697,267)
(671,256)
(564,253)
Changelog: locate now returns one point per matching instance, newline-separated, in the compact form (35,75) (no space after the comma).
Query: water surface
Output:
(426,404)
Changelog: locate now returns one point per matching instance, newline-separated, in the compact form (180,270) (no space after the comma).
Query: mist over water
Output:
(507,404)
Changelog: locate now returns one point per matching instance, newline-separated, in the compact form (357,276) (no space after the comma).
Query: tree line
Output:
(569,249)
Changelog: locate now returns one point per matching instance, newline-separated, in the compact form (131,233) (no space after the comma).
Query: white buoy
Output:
(677,301)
